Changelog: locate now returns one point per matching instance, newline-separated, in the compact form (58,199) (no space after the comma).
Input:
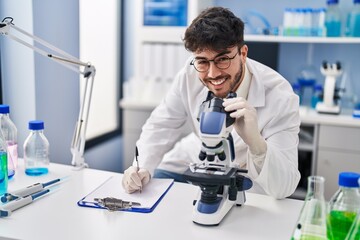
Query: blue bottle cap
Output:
(332,1)
(4,108)
(36,125)
(349,179)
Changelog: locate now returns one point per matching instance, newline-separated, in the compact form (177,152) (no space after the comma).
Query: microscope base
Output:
(215,218)
(322,108)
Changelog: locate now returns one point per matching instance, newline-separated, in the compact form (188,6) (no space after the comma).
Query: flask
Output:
(354,20)
(344,205)
(333,19)
(9,131)
(36,150)
(312,220)
(3,165)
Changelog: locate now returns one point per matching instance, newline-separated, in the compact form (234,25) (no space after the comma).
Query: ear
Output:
(243,52)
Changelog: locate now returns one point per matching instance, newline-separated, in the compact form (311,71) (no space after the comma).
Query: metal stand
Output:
(74,64)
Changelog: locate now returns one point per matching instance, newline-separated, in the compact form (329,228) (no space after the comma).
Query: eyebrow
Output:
(217,55)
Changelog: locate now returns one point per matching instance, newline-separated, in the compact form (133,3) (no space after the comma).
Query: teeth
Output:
(217,82)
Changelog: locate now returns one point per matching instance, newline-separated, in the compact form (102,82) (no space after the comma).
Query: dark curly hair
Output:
(216,28)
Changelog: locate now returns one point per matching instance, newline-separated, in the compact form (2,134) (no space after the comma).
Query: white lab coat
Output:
(278,121)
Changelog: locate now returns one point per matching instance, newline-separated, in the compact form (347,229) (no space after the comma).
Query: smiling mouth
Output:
(218,82)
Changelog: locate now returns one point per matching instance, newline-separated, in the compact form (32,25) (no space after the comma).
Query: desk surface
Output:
(57,216)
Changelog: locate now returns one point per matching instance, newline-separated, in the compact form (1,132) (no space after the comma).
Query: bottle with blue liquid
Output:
(36,150)
(9,132)
(333,19)
(353,21)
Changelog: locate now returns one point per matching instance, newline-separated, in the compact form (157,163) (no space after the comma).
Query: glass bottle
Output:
(354,20)
(9,131)
(344,205)
(36,150)
(311,224)
(3,165)
(333,19)
(354,232)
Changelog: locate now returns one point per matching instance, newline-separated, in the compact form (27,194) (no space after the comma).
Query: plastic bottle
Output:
(333,19)
(344,206)
(297,90)
(311,224)
(36,150)
(9,131)
(3,165)
(354,232)
(354,20)
(317,95)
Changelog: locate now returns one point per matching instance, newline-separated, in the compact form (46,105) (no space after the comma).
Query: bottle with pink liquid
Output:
(9,132)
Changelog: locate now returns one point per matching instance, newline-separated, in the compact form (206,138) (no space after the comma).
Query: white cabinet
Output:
(339,151)
(133,120)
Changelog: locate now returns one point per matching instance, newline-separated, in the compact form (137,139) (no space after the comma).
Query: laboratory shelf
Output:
(175,34)
(293,39)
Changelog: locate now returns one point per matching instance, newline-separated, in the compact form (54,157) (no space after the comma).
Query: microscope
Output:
(330,104)
(221,182)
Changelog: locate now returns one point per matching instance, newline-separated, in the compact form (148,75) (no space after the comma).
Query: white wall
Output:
(38,88)
(17,66)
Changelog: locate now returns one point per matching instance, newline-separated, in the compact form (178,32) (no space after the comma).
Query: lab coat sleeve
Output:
(279,175)
(164,127)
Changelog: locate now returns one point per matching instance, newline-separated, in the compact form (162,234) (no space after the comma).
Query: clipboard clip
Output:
(115,204)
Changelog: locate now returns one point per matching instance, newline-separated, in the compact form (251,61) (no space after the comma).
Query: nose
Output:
(213,71)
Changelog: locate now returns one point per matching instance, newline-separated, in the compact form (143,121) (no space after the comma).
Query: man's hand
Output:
(246,124)
(134,180)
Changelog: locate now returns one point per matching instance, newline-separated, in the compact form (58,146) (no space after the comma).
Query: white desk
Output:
(57,216)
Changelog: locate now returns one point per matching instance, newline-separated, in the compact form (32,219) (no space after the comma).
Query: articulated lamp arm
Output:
(72,63)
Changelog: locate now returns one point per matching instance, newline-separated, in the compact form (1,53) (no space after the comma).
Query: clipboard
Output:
(149,198)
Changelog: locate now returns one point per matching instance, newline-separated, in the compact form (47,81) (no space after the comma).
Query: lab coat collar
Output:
(243,89)
(256,94)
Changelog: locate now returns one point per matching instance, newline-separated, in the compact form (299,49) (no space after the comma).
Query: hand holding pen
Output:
(135,178)
(137,163)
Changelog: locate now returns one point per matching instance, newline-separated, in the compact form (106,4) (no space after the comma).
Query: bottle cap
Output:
(349,179)
(36,125)
(4,108)
(332,1)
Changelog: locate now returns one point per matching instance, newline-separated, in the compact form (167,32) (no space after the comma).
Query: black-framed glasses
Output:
(221,62)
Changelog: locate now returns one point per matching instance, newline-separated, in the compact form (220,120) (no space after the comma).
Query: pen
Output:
(23,192)
(20,202)
(137,161)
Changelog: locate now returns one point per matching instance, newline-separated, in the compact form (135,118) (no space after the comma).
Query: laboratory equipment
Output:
(9,131)
(7,209)
(36,150)
(317,95)
(333,19)
(72,63)
(3,165)
(354,232)
(330,103)
(353,27)
(306,79)
(23,192)
(312,220)
(221,182)
(356,111)
(344,205)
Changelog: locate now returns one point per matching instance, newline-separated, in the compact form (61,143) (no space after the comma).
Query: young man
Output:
(266,111)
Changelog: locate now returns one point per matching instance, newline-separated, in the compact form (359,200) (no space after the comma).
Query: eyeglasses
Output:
(221,62)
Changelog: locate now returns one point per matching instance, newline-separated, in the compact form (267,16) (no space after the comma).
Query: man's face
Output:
(222,81)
